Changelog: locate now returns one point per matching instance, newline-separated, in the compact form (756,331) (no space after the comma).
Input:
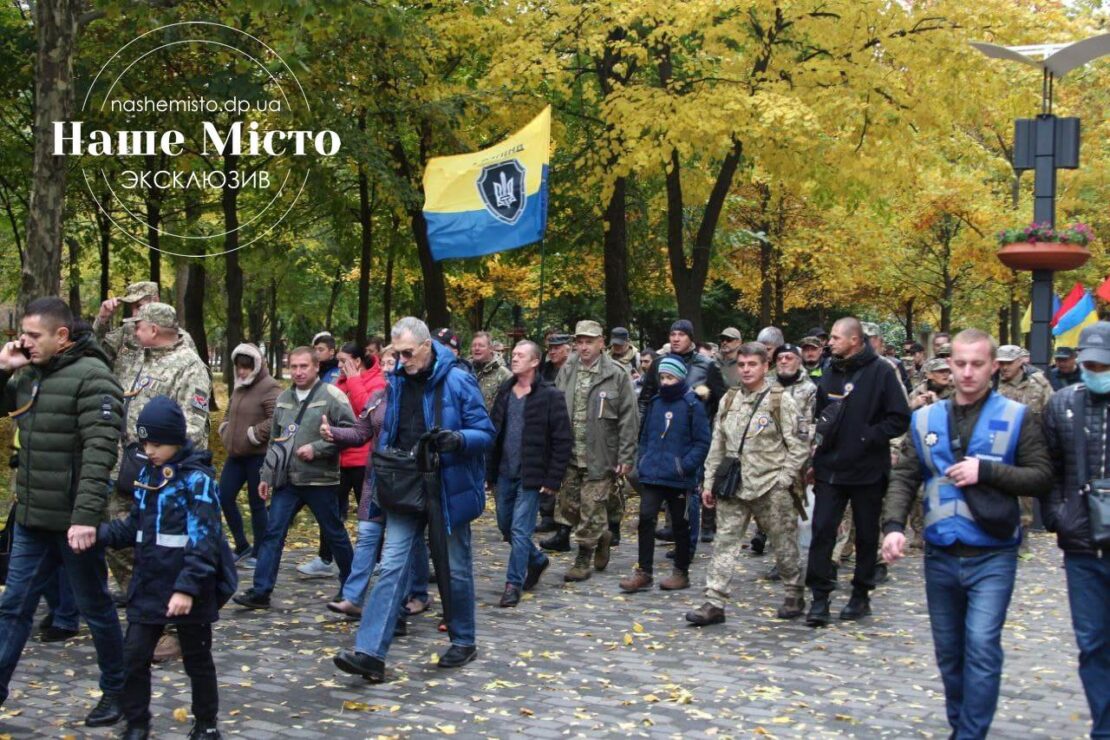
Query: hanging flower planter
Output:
(1040,247)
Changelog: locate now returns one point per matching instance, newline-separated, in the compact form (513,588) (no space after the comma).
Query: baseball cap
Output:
(137,291)
(555,340)
(446,337)
(871,329)
(1008,353)
(811,342)
(1064,353)
(587,328)
(731,332)
(1094,343)
(935,365)
(619,335)
(817,331)
(159,314)
(944,350)
(915,348)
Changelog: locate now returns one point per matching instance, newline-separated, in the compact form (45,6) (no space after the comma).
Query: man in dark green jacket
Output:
(57,384)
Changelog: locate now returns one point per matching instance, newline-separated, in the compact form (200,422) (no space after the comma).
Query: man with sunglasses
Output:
(430,398)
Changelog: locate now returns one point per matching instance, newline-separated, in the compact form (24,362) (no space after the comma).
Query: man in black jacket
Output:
(529,458)
(1066,512)
(861,406)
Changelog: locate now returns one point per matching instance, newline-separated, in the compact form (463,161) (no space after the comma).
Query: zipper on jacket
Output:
(27,444)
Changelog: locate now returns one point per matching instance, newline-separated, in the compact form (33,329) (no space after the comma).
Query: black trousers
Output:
(350,479)
(652,499)
(547,508)
(196,652)
(828,509)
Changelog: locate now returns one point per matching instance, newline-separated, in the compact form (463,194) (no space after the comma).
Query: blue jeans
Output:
(36,555)
(417,587)
(366,557)
(236,472)
(284,504)
(968,599)
(59,597)
(402,532)
(516,518)
(1089,594)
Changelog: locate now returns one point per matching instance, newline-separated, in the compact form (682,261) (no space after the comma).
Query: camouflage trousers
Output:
(121,563)
(584,506)
(774,514)
(614,504)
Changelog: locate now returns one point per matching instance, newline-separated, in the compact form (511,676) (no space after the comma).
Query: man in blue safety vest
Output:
(975,453)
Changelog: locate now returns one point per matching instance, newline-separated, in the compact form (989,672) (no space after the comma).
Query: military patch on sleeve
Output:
(199,400)
(106,408)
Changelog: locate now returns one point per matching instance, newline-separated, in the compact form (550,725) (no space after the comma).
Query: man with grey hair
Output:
(436,406)
(529,457)
(771,337)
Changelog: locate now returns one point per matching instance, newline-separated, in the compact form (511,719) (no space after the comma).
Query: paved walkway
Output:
(585,660)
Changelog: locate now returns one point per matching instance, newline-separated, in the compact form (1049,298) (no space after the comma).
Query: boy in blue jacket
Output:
(674,441)
(175,529)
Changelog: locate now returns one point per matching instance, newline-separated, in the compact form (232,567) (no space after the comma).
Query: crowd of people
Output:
(954,445)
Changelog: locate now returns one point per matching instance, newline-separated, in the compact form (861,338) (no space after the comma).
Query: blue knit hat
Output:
(673,365)
(162,422)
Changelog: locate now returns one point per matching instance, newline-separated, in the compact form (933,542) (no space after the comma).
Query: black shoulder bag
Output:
(400,475)
(729,476)
(280,452)
(1096,491)
(996,512)
(828,421)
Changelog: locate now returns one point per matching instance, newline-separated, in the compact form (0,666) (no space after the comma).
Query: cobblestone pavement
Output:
(585,660)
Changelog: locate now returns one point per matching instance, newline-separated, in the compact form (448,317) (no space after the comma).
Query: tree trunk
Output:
(275,333)
(104,230)
(336,287)
(435,292)
(56,30)
(618,301)
(1004,325)
(387,290)
(909,319)
(74,275)
(766,289)
(194,307)
(233,275)
(367,224)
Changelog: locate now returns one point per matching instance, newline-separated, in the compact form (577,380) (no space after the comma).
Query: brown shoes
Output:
(640,580)
(792,607)
(678,579)
(705,615)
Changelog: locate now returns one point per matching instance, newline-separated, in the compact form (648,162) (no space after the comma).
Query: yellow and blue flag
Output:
(491,200)
(1082,314)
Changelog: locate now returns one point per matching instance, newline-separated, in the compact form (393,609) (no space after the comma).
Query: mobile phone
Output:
(26,352)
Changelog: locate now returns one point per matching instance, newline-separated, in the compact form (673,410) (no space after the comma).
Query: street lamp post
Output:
(1045,144)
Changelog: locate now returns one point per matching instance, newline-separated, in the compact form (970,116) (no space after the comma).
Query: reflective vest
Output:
(947,517)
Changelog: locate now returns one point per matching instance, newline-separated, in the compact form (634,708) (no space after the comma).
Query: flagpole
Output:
(539,311)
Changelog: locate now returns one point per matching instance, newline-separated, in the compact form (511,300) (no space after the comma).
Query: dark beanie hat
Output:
(162,422)
(685,326)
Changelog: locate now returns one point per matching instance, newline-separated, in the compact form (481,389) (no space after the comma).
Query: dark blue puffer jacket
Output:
(462,473)
(671,455)
(178,540)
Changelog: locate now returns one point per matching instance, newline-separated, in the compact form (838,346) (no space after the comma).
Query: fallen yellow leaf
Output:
(181,714)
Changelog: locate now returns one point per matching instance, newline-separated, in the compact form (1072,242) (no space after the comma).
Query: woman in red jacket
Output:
(359,377)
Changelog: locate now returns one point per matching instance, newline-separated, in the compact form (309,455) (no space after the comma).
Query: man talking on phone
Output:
(57,385)
(976,453)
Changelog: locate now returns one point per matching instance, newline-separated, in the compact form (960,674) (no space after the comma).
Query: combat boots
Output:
(558,542)
(792,607)
(858,606)
(601,554)
(818,611)
(705,615)
(582,567)
(640,580)
(678,579)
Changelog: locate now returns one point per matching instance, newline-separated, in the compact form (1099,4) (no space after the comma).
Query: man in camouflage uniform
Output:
(122,339)
(792,377)
(1027,385)
(913,361)
(605,425)
(163,365)
(489,368)
(813,356)
(874,335)
(766,420)
(621,348)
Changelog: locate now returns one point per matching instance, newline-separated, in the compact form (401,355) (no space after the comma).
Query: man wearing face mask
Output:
(1068,509)
(1026,385)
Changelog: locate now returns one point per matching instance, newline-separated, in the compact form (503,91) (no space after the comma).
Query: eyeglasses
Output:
(408,354)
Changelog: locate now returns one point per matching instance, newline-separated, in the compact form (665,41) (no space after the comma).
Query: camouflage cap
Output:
(159,314)
(871,329)
(1008,353)
(588,328)
(936,365)
(944,350)
(811,342)
(138,291)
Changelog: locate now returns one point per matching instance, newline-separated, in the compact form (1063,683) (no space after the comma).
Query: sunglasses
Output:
(408,354)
